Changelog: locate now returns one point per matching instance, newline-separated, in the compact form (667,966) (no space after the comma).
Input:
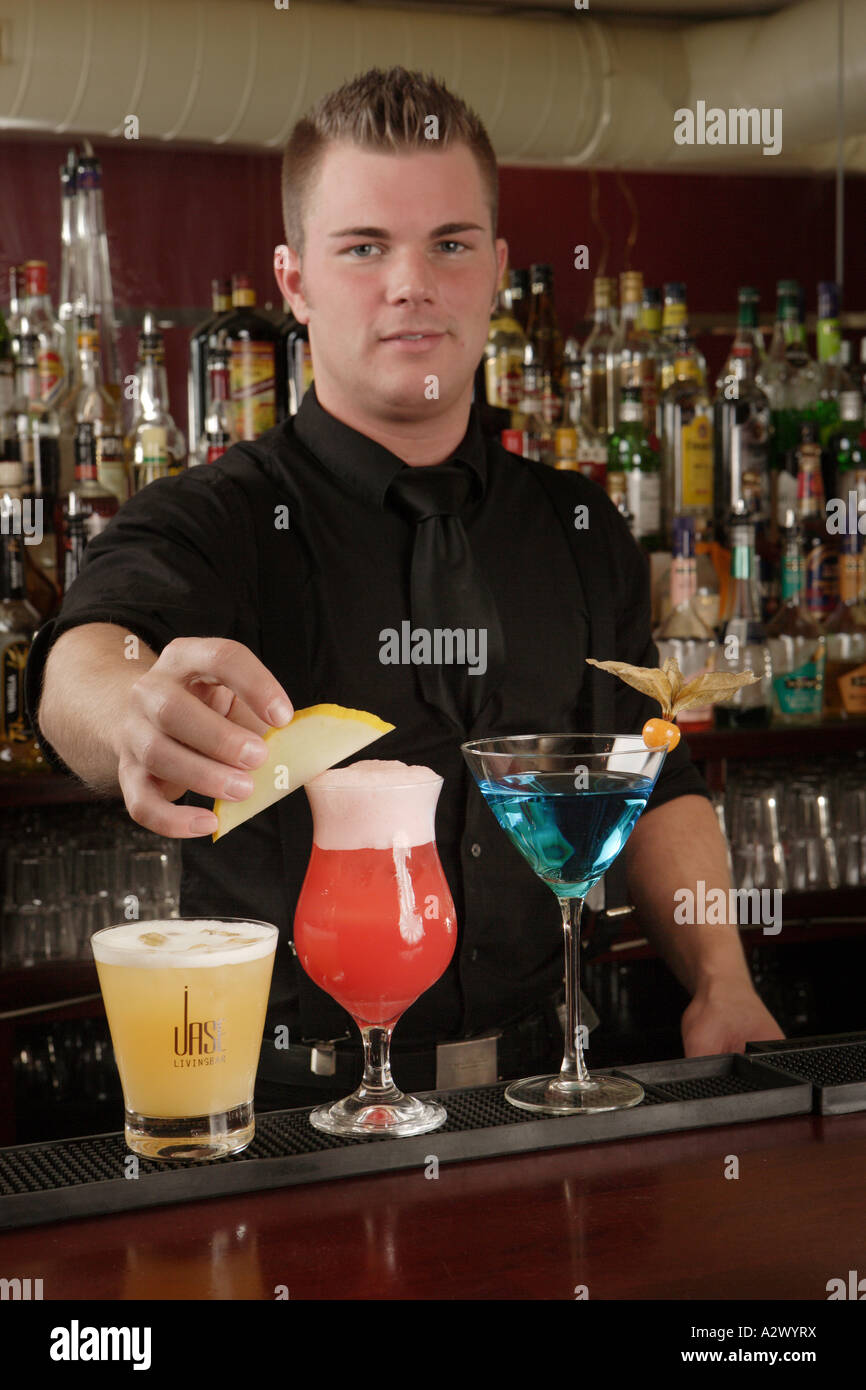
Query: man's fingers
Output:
(162,757)
(162,706)
(230,706)
(232,664)
(147,806)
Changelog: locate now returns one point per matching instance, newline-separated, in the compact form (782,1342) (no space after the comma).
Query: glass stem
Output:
(573,1071)
(377,1083)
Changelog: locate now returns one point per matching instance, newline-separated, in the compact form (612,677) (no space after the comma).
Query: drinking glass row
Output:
(797,828)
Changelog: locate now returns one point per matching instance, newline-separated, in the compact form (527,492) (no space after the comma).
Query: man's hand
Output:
(193,722)
(723,1016)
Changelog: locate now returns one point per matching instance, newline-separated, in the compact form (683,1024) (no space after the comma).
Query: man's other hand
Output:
(723,1016)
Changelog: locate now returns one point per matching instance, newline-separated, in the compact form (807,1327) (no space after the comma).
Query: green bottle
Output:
(635,453)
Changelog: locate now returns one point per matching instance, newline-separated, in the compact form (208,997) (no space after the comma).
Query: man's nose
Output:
(410,278)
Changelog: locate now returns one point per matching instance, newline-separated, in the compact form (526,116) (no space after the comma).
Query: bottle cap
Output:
(828,299)
(683,529)
(850,405)
(603,289)
(630,287)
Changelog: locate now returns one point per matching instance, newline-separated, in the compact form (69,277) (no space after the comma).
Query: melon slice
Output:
(314,740)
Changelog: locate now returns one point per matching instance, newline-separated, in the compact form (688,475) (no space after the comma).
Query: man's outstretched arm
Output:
(672,848)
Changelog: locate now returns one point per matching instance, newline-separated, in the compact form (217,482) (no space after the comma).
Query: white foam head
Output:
(374,804)
(181,944)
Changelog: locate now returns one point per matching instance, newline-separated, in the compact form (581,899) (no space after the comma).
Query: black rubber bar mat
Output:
(86,1177)
(836,1072)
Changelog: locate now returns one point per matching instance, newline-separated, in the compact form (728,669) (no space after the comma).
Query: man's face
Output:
(395,244)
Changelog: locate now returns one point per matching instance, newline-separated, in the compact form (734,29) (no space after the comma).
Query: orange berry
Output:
(660,733)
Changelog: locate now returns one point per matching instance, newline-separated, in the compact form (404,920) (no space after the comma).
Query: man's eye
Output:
(365,246)
(460,246)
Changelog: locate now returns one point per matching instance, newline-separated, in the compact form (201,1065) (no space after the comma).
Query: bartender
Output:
(218,601)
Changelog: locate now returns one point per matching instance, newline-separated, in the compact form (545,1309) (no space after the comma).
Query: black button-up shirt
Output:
(193,555)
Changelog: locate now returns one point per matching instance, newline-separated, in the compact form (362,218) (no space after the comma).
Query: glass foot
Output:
(549,1095)
(191,1138)
(359,1117)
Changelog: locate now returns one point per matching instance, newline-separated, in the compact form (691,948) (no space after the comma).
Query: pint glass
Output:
(186,1002)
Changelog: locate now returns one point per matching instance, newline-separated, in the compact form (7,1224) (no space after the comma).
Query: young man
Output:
(390,194)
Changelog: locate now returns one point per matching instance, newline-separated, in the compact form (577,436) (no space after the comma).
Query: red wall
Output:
(177,218)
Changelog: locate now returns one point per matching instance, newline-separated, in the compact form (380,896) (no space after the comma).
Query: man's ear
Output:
(287,273)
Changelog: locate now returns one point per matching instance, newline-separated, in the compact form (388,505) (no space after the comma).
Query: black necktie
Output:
(452,608)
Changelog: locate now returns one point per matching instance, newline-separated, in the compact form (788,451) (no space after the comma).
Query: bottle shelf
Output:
(790,741)
(44,789)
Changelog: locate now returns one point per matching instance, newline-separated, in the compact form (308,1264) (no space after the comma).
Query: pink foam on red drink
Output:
(375,804)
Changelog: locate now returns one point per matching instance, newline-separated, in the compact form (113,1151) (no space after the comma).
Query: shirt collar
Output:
(359,463)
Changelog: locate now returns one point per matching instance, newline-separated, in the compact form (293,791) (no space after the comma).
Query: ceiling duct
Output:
(559,89)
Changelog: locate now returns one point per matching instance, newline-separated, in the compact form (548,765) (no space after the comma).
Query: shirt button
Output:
(474,955)
(475,851)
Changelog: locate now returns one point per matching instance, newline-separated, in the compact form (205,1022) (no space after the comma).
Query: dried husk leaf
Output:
(675,676)
(647,679)
(712,688)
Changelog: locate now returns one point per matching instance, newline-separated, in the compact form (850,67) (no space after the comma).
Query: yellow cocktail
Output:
(186,1002)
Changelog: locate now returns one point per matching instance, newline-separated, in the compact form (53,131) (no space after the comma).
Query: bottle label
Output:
(697,459)
(51,375)
(217,445)
(504,379)
(153,440)
(801,691)
(643,492)
(852,688)
(13,661)
(616,487)
(85,450)
(821,581)
(253,388)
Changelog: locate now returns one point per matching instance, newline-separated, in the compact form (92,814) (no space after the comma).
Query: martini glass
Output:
(568,803)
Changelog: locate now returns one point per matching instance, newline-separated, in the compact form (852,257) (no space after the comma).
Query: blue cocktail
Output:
(568,803)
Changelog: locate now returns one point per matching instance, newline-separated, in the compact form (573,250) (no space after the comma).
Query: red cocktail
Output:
(374,924)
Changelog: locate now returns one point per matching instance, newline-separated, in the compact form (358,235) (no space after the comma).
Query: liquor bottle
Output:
(687,441)
(253,342)
(676,340)
(221,304)
(651,312)
(83,512)
(595,351)
(49,331)
(683,634)
(98,420)
(7,368)
(31,428)
(542,333)
(833,379)
(155,446)
(741,425)
(843,460)
(861,374)
(503,354)
(633,358)
(790,386)
(538,430)
(821,558)
(217,437)
(71,299)
(743,643)
(13,318)
(97,291)
(298,358)
(19,620)
(589,449)
(520,294)
(635,453)
(845,631)
(798,648)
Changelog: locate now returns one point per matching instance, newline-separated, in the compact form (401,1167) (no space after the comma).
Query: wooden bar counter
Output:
(641,1218)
